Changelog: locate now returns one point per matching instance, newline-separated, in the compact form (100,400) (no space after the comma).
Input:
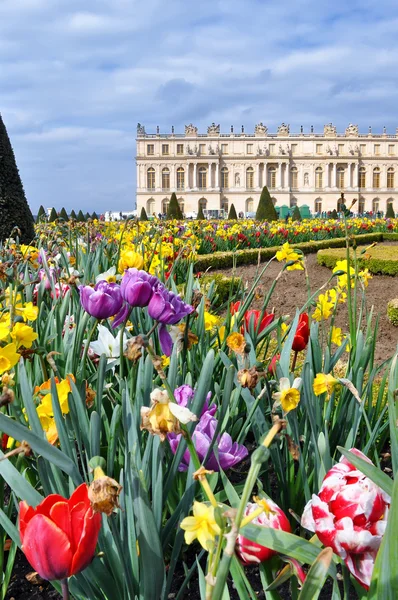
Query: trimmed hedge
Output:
(225,260)
(392,311)
(380,259)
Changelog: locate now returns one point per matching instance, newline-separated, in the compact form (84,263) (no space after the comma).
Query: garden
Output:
(200,409)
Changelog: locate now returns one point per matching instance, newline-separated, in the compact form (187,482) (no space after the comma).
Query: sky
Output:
(76,77)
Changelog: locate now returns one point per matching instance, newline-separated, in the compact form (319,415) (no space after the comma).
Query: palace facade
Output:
(215,170)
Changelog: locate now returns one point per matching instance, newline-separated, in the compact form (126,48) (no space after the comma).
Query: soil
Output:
(291,292)
(21,589)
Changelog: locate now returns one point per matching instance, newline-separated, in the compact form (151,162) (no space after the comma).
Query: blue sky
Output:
(76,77)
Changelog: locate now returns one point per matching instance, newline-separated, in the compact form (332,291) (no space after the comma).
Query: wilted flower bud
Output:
(7,397)
(196,298)
(248,378)
(103,493)
(134,348)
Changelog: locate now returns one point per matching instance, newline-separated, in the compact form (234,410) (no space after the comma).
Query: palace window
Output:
(318,205)
(165,149)
(202,149)
(377,149)
(340,178)
(202,203)
(224,204)
(180,178)
(362,149)
(249,205)
(376,178)
(150,149)
(180,149)
(224,148)
(362,177)
(249,148)
(272,149)
(375,205)
(361,205)
(340,148)
(272,177)
(391,150)
(224,178)
(293,149)
(250,178)
(318,178)
(390,178)
(150,206)
(319,148)
(150,178)
(202,178)
(181,204)
(165,205)
(294,178)
(165,179)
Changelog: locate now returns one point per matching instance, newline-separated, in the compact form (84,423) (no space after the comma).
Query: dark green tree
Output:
(53,215)
(80,217)
(87,216)
(334,214)
(200,216)
(63,214)
(14,209)
(232,216)
(41,215)
(143,215)
(72,215)
(94,216)
(266,209)
(296,214)
(390,211)
(174,210)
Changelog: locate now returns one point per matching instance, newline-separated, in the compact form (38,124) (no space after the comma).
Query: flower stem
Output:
(294,360)
(65,589)
(86,347)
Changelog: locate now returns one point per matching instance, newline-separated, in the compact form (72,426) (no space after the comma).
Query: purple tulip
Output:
(229,453)
(166,307)
(102,301)
(185,394)
(137,287)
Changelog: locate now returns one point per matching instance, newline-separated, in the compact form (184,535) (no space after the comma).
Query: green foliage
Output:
(14,209)
(80,217)
(224,287)
(143,215)
(174,210)
(390,211)
(94,216)
(266,210)
(380,259)
(63,214)
(87,216)
(73,215)
(41,215)
(296,215)
(392,311)
(53,215)
(334,214)
(200,216)
(232,216)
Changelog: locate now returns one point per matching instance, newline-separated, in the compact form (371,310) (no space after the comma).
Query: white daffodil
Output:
(107,344)
(109,276)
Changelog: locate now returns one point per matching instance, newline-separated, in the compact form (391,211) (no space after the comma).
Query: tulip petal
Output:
(88,541)
(79,495)
(46,505)
(165,340)
(47,548)
(59,513)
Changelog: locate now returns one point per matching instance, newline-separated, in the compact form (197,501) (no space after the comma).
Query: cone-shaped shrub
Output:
(41,215)
(200,215)
(94,216)
(334,214)
(72,215)
(53,215)
(296,215)
(80,217)
(390,211)
(14,209)
(266,209)
(63,214)
(143,215)
(232,213)
(174,210)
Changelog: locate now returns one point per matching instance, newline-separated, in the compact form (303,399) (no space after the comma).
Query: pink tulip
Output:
(349,515)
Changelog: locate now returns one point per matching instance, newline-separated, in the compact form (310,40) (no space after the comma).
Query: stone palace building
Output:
(217,169)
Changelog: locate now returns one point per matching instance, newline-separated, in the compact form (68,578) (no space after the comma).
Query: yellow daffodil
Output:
(163,416)
(4,328)
(8,357)
(337,336)
(129,259)
(29,312)
(165,361)
(342,265)
(211,321)
(287,253)
(324,382)
(323,309)
(236,342)
(23,335)
(201,526)
(288,396)
(337,295)
(364,276)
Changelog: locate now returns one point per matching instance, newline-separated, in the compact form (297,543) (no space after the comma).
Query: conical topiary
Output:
(334,214)
(41,215)
(296,215)
(200,216)
(143,215)
(87,216)
(73,215)
(94,216)
(53,215)
(266,209)
(80,217)
(232,216)
(63,214)
(174,210)
(14,209)
(390,211)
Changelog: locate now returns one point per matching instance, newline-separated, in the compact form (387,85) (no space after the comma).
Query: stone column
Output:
(334,171)
(355,176)
(279,176)
(195,176)
(158,175)
(173,183)
(265,174)
(257,176)
(217,176)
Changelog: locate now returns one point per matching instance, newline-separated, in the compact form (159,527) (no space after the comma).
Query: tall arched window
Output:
(224,178)
(294,178)
(165,205)
(181,204)
(376,179)
(375,205)
(150,206)
(318,205)
(272,177)
(150,178)
(249,178)
(202,203)
(361,205)
(249,205)
(340,178)
(362,177)
(318,178)
(180,178)
(390,178)
(165,179)
(202,178)
(224,204)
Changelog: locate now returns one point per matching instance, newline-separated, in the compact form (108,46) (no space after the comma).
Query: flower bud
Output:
(103,493)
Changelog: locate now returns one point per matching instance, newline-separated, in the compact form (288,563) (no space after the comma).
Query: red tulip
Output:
(302,333)
(234,308)
(59,536)
(253,316)
(251,553)
(272,365)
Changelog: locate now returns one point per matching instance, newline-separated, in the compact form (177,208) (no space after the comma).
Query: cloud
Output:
(76,77)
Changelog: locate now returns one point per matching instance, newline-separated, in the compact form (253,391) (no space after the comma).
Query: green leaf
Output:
(316,576)
(17,482)
(377,476)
